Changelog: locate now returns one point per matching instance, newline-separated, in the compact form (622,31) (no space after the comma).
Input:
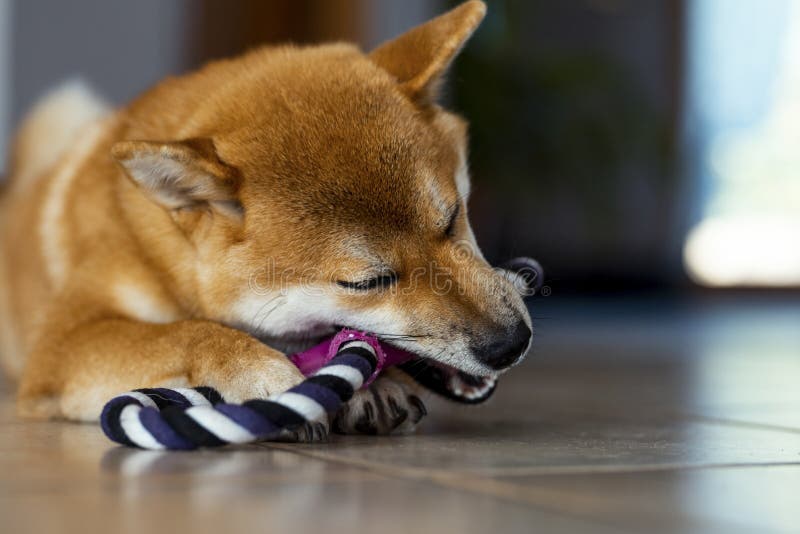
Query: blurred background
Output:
(629,145)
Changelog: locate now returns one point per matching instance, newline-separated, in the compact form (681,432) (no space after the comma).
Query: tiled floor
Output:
(636,416)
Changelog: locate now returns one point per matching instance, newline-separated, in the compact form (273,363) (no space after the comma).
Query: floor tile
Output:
(731,500)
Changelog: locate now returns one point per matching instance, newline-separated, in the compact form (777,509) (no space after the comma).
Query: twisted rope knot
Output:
(188,418)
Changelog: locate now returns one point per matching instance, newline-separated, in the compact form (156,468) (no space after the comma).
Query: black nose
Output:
(505,349)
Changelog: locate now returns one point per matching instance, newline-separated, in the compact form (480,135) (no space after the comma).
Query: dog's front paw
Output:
(308,433)
(254,372)
(386,406)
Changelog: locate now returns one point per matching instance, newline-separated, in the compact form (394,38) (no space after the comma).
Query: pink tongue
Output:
(309,361)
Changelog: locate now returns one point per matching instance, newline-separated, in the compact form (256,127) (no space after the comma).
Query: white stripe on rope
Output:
(195,397)
(220,425)
(310,409)
(345,372)
(142,398)
(357,343)
(136,432)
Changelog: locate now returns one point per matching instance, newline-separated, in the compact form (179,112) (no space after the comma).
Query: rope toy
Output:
(185,419)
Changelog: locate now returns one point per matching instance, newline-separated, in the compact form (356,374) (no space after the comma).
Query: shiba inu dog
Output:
(233,215)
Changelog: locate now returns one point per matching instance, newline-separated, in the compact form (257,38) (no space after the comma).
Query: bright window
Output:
(744,121)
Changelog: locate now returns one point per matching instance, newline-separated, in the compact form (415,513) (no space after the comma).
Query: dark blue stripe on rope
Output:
(251,420)
(153,421)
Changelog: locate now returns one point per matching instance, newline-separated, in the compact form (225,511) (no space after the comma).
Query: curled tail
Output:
(51,127)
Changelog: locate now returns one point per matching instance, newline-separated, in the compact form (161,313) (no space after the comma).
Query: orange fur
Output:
(154,250)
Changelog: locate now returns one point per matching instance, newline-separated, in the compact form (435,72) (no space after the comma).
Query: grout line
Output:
(739,423)
(390,470)
(511,472)
(620,468)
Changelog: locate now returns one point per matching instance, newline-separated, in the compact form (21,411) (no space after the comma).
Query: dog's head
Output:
(322,187)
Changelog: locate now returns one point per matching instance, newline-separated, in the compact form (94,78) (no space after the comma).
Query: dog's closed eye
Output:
(382,281)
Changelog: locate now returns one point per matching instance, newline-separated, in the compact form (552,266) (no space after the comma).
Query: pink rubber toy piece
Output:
(309,361)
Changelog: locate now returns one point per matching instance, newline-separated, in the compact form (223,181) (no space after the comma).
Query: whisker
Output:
(269,312)
(409,336)
(261,308)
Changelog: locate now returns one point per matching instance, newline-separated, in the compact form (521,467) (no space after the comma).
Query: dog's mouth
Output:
(450,382)
(442,379)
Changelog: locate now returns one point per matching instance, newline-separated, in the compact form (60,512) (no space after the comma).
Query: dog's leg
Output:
(390,404)
(73,374)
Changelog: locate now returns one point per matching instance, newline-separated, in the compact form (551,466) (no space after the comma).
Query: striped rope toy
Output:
(185,419)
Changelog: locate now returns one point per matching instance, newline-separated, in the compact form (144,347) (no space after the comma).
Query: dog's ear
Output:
(180,174)
(419,57)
